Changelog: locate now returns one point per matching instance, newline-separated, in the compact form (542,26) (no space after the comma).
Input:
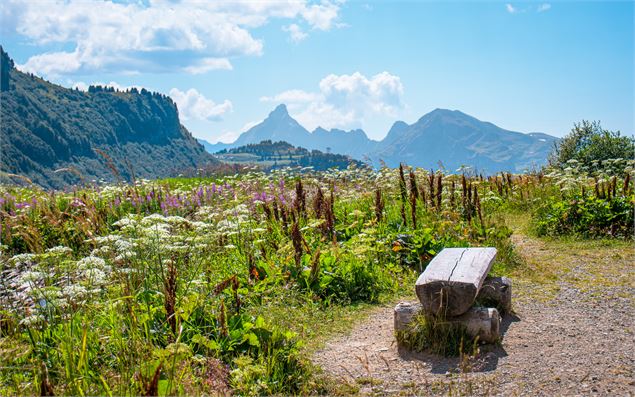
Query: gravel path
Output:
(569,336)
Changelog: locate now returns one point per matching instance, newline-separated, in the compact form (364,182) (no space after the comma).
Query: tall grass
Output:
(203,286)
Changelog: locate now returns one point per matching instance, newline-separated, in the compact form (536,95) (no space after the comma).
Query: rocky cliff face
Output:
(57,136)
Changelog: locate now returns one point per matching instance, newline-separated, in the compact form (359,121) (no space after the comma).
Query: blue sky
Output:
(525,66)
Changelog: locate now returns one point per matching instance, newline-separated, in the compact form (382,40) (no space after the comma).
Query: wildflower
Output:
(77,203)
(74,292)
(90,262)
(94,276)
(59,250)
(22,259)
(31,277)
(31,320)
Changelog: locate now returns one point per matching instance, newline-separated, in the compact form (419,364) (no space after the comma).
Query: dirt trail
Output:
(572,333)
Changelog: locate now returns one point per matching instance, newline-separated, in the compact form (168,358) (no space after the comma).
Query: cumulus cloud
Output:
(193,105)
(344,101)
(153,36)
(511,9)
(295,33)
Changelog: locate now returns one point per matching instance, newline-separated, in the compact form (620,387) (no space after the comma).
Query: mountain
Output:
(214,147)
(442,137)
(453,138)
(269,155)
(352,143)
(278,126)
(57,136)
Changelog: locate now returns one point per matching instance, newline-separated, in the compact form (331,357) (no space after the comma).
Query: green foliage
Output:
(588,142)
(586,216)
(55,137)
(272,155)
(208,286)
(437,335)
(204,286)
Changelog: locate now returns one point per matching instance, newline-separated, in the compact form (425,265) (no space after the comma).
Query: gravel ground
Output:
(572,335)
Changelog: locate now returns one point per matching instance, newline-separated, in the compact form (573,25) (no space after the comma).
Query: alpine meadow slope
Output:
(56,136)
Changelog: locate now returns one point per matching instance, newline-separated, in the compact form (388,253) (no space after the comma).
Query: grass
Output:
(316,323)
(438,336)
(193,286)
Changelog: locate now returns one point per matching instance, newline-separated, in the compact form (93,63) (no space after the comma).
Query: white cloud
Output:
(321,16)
(544,7)
(153,36)
(344,101)
(207,64)
(295,33)
(511,9)
(193,105)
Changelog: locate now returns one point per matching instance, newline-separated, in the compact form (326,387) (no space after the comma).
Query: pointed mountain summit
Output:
(278,126)
(395,132)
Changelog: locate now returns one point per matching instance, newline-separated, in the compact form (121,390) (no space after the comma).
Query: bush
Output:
(587,142)
(588,217)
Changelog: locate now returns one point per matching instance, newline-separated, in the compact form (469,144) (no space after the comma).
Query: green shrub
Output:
(588,217)
(588,142)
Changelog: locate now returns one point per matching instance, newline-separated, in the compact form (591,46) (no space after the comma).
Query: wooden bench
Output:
(452,280)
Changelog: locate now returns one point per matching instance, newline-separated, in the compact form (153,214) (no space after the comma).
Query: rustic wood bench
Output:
(452,280)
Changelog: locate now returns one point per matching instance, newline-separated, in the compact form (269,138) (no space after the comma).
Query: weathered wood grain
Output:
(483,322)
(478,321)
(404,312)
(496,292)
(453,279)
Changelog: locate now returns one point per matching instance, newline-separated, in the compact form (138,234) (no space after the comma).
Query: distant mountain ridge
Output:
(57,136)
(449,138)
(454,139)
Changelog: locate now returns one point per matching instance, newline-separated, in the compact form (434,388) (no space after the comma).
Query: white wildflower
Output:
(22,259)
(59,250)
(31,320)
(91,262)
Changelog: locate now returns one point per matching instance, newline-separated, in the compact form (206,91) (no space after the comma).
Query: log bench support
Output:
(478,321)
(496,292)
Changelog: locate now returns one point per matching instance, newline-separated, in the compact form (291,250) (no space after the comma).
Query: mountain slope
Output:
(453,138)
(57,136)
